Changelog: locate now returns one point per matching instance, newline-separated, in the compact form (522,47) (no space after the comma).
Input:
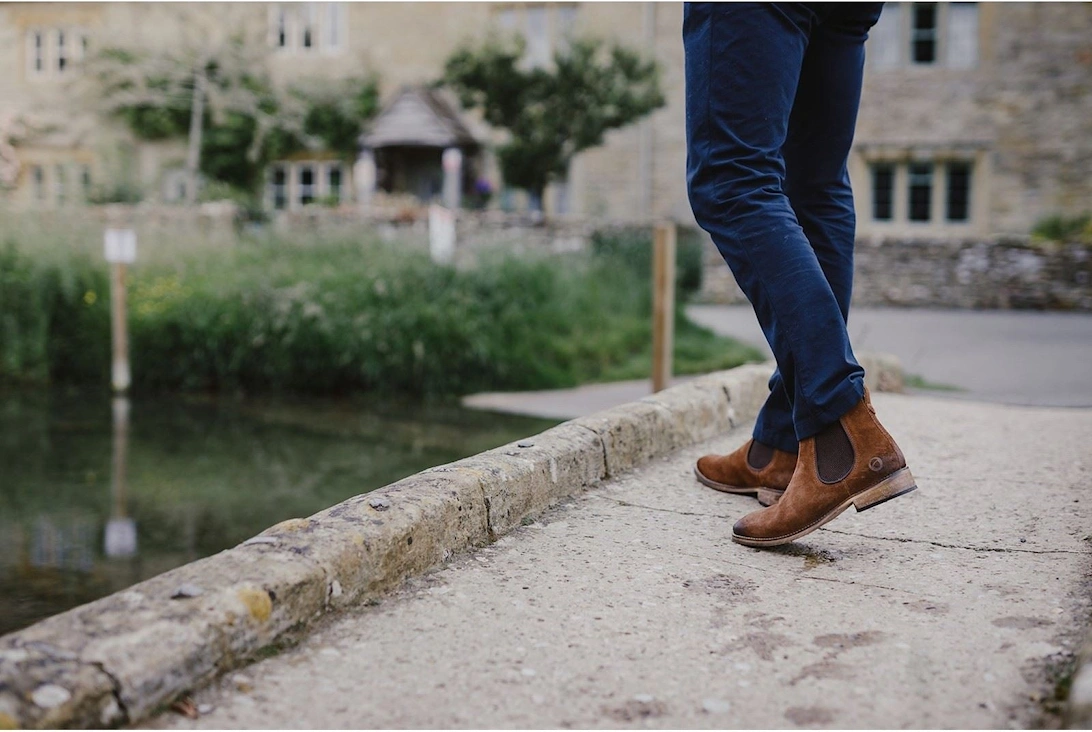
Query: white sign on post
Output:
(120,246)
(441,234)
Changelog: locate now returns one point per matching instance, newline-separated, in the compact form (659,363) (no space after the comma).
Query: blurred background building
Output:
(976,119)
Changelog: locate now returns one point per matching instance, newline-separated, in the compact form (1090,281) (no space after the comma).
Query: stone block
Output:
(525,477)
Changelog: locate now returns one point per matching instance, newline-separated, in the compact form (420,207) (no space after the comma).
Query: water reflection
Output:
(121,539)
(95,496)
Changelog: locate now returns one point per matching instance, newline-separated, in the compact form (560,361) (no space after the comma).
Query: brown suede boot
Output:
(853,462)
(754,469)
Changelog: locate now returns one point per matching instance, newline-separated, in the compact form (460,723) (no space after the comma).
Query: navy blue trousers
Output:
(772,91)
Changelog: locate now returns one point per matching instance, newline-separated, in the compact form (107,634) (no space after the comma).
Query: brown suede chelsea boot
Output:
(754,469)
(852,462)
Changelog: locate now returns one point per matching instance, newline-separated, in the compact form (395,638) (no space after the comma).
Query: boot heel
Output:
(892,486)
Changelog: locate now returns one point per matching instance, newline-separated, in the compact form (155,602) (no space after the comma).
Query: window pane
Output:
(279,185)
(924,36)
(962,45)
(334,21)
(308,35)
(882,48)
(959,191)
(538,42)
(921,191)
(333,181)
(59,182)
(39,52)
(282,28)
(883,189)
(307,185)
(566,20)
(507,19)
(37,175)
(62,54)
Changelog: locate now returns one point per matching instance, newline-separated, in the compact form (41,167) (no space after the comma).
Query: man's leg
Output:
(743,65)
(820,133)
(853,460)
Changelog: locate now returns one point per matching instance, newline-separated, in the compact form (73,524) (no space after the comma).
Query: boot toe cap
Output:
(706,465)
(749,527)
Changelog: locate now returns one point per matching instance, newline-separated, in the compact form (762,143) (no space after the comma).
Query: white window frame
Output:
(559,22)
(312,190)
(969,14)
(308,35)
(326,22)
(334,27)
(52,45)
(280,24)
(61,58)
(895,31)
(328,168)
(284,188)
(938,24)
(938,202)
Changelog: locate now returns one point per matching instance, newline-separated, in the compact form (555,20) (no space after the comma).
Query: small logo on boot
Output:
(876,464)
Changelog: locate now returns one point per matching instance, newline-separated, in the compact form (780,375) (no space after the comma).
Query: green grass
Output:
(339,315)
(916,381)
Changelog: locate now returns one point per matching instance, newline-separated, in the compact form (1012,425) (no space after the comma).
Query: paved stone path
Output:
(629,606)
(1013,357)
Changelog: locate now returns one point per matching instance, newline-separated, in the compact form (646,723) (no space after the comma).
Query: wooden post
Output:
(119,329)
(120,245)
(663,305)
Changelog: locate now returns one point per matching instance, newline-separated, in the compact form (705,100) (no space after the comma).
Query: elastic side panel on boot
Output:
(759,456)
(834,456)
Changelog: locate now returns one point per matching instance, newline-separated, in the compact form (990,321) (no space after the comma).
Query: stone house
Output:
(976,118)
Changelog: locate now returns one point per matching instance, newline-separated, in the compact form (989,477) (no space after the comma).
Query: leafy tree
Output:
(551,114)
(214,90)
(213,76)
(335,112)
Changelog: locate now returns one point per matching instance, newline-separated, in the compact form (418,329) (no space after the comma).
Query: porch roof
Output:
(418,117)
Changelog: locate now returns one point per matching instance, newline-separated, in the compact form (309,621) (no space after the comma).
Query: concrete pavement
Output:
(1022,358)
(1012,357)
(629,606)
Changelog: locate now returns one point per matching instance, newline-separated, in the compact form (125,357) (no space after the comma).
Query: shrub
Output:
(631,246)
(54,319)
(1064,228)
(340,316)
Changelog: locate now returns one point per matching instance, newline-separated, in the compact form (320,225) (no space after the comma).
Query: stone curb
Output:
(1078,706)
(118,659)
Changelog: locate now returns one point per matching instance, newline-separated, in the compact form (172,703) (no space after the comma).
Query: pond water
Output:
(87,508)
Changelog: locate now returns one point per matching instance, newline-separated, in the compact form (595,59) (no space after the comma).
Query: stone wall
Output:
(998,274)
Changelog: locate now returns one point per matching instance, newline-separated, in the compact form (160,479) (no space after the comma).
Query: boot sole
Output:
(897,484)
(765,496)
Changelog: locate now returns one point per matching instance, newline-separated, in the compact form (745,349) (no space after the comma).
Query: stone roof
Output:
(419,117)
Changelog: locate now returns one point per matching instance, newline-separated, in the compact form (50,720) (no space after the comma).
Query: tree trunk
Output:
(197,120)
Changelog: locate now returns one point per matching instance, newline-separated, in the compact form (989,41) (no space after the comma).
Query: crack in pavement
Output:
(939,544)
(1000,550)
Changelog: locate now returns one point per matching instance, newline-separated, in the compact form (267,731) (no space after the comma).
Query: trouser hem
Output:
(778,440)
(845,398)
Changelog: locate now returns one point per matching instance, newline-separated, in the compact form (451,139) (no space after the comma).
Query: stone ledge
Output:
(118,659)
(1078,706)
